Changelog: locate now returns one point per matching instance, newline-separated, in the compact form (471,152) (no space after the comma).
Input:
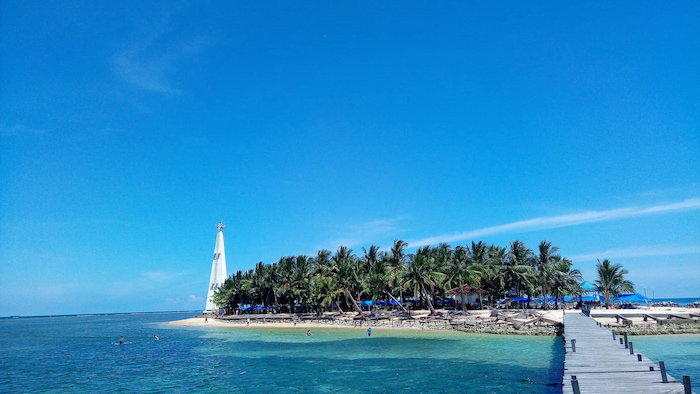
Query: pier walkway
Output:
(603,365)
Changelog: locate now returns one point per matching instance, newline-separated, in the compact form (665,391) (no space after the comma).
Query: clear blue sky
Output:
(129,129)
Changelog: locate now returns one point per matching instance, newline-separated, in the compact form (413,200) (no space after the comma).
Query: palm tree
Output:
(421,274)
(397,260)
(564,280)
(611,281)
(345,272)
(518,268)
(544,263)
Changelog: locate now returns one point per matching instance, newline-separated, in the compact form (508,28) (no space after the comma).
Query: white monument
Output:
(218,268)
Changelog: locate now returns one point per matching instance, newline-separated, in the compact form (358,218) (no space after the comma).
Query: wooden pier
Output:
(601,364)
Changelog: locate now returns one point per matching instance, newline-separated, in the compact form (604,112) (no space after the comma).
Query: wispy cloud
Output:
(151,70)
(567,220)
(18,130)
(638,251)
(159,276)
(361,233)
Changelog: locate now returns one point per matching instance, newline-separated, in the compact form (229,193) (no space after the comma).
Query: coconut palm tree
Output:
(397,260)
(611,280)
(344,271)
(564,280)
(422,274)
(456,272)
(518,267)
(544,262)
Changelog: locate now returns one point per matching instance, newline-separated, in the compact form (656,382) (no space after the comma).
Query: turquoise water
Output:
(680,354)
(75,353)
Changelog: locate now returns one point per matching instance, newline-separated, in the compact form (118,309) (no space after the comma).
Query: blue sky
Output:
(128,130)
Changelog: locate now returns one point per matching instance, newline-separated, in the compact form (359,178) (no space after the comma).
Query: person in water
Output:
(308,333)
(156,337)
(369,331)
(121,340)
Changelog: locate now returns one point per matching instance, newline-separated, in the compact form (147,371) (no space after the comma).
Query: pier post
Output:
(639,357)
(573,345)
(662,367)
(626,345)
(631,348)
(574,385)
(613,331)
(620,341)
(686,384)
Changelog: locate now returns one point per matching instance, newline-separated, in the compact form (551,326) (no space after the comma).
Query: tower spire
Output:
(218,268)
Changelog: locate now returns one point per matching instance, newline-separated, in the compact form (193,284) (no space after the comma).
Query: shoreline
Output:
(499,322)
(541,323)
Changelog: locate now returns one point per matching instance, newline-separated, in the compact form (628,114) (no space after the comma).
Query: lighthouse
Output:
(218,269)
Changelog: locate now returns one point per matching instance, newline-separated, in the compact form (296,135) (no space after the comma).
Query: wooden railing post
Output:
(686,384)
(573,345)
(631,348)
(574,385)
(662,367)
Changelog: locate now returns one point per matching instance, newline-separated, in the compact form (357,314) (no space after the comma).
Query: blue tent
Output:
(632,298)
(589,299)
(588,286)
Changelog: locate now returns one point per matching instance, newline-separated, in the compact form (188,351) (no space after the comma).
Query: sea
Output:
(81,354)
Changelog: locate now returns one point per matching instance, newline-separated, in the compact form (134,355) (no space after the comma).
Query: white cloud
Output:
(573,219)
(159,276)
(361,233)
(152,71)
(638,251)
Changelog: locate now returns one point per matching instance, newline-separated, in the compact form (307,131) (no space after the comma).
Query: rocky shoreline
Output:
(666,329)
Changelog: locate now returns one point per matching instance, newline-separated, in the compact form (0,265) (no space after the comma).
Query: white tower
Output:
(218,268)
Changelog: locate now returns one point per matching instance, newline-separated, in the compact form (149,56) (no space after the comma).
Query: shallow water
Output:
(680,354)
(77,354)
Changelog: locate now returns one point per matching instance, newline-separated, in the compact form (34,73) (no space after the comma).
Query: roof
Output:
(588,286)
(466,289)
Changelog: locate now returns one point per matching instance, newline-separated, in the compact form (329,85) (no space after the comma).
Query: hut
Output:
(466,295)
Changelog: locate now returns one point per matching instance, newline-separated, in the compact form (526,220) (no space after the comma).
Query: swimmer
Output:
(308,333)
(369,331)
(121,340)
(156,337)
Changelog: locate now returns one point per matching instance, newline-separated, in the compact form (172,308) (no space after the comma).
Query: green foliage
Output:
(611,280)
(342,279)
